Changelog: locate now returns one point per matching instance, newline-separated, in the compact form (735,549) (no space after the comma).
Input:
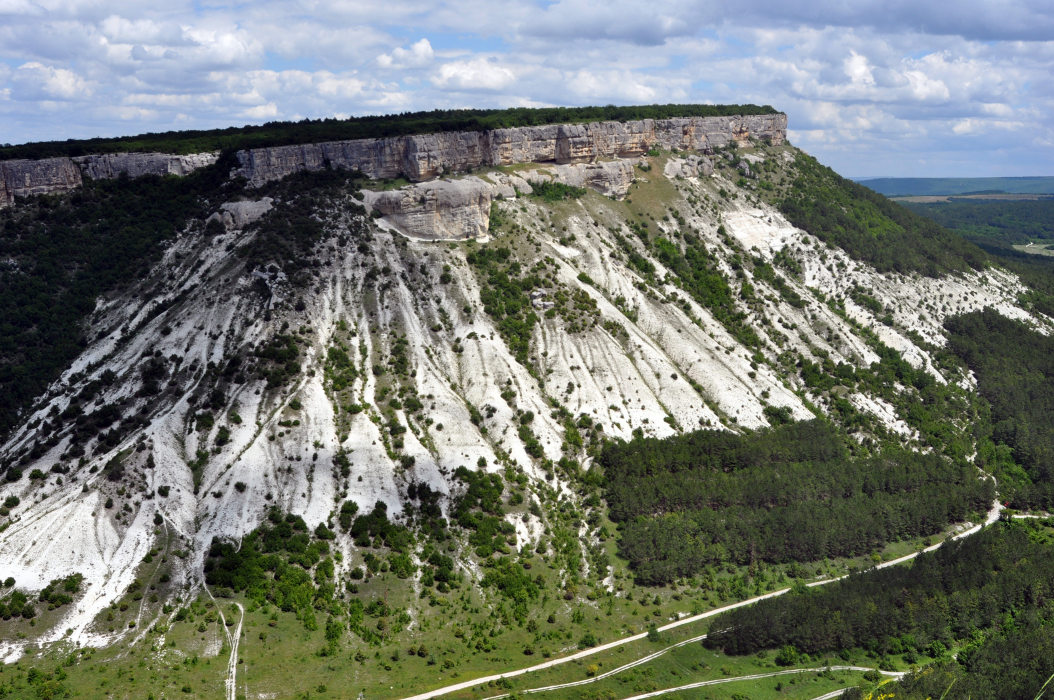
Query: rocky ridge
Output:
(426,156)
(417,157)
(25,178)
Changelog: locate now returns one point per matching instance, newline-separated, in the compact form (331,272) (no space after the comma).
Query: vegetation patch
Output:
(280,562)
(1014,366)
(504,293)
(555,191)
(791,493)
(1002,577)
(869,227)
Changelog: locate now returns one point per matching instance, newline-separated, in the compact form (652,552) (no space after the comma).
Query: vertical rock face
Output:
(418,158)
(425,156)
(437,210)
(24,178)
(112,165)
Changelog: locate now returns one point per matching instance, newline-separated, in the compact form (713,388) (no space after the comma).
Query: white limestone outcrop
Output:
(426,156)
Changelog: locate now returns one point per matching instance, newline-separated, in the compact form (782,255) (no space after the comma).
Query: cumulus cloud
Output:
(419,54)
(881,86)
(34,81)
(475,74)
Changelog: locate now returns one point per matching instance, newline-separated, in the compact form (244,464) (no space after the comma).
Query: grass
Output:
(277,653)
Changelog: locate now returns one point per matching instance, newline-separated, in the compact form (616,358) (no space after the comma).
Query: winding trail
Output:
(991,517)
(608,674)
(757,676)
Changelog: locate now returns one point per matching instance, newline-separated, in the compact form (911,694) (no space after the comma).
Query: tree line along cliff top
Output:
(320,130)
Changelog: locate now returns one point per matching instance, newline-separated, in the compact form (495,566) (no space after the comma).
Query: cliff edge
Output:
(417,157)
(426,156)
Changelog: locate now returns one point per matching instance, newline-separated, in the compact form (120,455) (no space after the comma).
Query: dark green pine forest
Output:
(787,494)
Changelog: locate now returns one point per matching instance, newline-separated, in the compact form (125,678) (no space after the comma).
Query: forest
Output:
(1014,662)
(1017,221)
(318,130)
(972,595)
(871,228)
(789,493)
(1014,367)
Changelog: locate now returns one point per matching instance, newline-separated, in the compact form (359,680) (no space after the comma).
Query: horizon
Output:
(862,178)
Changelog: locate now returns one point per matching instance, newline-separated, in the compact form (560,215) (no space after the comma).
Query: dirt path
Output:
(991,517)
(757,676)
(232,639)
(232,664)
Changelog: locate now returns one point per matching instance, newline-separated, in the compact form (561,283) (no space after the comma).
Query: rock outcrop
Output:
(610,178)
(112,165)
(692,166)
(437,210)
(24,178)
(457,209)
(426,156)
(238,215)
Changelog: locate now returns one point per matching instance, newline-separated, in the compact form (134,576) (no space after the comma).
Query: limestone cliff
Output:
(111,165)
(24,178)
(419,157)
(425,156)
(450,209)
(610,178)
(437,210)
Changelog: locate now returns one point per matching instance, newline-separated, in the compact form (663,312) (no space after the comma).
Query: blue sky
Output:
(871,88)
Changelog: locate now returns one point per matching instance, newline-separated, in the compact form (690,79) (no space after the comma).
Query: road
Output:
(758,676)
(991,517)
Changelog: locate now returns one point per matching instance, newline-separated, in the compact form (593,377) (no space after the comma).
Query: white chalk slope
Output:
(671,367)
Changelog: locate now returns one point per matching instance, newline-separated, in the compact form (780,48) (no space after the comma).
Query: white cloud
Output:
(475,74)
(885,84)
(265,111)
(35,81)
(418,55)
(858,69)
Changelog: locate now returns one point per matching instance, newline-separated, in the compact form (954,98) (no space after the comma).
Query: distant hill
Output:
(903,186)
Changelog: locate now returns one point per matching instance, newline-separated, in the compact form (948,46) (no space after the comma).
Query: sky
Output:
(924,88)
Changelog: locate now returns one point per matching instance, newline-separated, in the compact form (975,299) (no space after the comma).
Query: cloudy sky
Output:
(891,87)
